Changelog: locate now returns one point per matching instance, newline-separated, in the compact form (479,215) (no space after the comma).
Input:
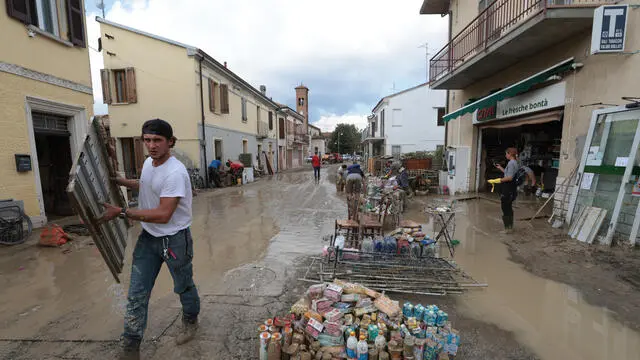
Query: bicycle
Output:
(197,181)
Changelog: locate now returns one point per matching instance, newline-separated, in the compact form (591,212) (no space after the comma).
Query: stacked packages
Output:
(323,325)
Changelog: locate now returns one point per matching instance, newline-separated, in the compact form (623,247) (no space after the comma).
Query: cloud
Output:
(349,53)
(327,123)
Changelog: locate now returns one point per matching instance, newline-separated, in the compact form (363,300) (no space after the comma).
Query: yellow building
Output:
(531,75)
(147,76)
(45,101)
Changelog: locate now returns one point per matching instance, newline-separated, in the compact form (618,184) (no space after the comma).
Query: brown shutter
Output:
(106,86)
(224,98)
(212,106)
(138,149)
(75,14)
(132,93)
(22,10)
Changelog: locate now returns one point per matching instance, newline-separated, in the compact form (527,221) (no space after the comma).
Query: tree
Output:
(345,139)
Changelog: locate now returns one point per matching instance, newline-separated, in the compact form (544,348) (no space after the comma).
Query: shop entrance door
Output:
(608,174)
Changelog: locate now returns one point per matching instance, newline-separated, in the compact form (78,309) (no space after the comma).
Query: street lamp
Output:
(339,134)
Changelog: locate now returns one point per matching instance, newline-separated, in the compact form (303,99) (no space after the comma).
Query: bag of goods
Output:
(407,309)
(387,306)
(321,305)
(334,315)
(343,307)
(315,291)
(314,328)
(452,343)
(300,307)
(431,350)
(312,315)
(332,328)
(418,312)
(329,340)
(412,323)
(364,301)
(372,332)
(371,293)
(350,297)
(283,321)
(390,245)
(333,292)
(349,288)
(430,317)
(348,319)
(442,318)
(360,311)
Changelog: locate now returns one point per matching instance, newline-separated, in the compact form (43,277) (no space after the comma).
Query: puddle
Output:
(549,317)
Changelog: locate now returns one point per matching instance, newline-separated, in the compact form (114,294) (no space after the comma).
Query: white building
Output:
(407,121)
(318,142)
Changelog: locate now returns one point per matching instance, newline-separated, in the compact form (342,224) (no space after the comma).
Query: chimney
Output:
(263,90)
(225,64)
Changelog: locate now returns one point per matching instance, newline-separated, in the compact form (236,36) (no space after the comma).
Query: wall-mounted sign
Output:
(23,162)
(609,28)
(538,100)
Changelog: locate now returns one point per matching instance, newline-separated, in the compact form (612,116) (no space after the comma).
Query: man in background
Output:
(315,162)
(214,171)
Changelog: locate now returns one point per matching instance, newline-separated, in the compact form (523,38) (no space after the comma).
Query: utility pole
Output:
(426,49)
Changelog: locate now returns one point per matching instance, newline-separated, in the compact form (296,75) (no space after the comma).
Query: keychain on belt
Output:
(166,251)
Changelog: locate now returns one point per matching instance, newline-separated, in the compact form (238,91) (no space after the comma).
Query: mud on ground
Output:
(606,276)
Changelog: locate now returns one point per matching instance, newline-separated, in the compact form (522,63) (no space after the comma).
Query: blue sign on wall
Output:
(609,28)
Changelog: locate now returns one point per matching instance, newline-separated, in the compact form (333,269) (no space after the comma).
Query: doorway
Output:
(259,156)
(217,149)
(53,148)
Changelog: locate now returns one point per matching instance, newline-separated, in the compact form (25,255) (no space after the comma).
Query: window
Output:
(258,113)
(301,101)
(373,129)
(214,96)
(245,146)
(244,110)
(120,81)
(441,116)
(121,85)
(396,150)
(382,123)
(44,14)
(270,120)
(224,98)
(281,129)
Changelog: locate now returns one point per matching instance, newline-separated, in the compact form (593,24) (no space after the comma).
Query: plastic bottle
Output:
(352,346)
(363,349)
(367,245)
(380,342)
(339,243)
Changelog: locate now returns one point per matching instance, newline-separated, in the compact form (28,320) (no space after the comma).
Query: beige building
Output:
(526,74)
(45,101)
(317,142)
(186,87)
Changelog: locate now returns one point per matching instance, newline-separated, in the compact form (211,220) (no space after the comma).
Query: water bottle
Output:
(367,245)
(363,348)
(339,243)
(352,346)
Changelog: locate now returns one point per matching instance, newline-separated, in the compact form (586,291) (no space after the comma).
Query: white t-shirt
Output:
(167,180)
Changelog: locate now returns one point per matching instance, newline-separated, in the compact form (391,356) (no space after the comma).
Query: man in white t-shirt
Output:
(165,214)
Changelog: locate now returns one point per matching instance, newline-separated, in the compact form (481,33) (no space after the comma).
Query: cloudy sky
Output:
(350,53)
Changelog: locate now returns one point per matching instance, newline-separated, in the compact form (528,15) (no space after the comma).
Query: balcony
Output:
(263,130)
(506,32)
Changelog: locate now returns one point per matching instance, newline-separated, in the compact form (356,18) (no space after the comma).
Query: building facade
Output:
(530,75)
(214,112)
(45,102)
(407,121)
(317,142)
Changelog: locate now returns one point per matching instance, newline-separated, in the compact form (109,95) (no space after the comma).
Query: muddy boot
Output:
(130,349)
(508,225)
(188,331)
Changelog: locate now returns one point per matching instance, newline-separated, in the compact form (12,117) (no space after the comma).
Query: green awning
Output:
(511,91)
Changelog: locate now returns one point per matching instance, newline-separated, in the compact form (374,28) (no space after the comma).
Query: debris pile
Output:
(344,320)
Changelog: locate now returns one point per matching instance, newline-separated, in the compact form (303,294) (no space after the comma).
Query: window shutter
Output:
(224,98)
(75,14)
(211,99)
(19,10)
(132,93)
(106,85)
(138,149)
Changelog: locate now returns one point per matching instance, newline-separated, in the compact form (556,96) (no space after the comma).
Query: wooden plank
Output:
(589,223)
(577,223)
(597,225)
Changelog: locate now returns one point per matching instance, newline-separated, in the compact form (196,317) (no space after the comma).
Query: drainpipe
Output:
(204,137)
(447,107)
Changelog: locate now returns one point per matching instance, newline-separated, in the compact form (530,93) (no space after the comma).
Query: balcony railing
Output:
(494,22)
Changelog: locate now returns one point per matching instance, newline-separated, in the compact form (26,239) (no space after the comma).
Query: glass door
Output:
(608,171)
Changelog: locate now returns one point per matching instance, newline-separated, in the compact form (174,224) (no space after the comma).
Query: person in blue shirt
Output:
(214,172)
(354,179)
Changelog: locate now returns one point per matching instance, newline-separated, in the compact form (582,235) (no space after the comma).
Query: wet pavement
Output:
(248,241)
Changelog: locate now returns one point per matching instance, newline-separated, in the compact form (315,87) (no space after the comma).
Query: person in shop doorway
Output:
(214,171)
(165,214)
(508,188)
(315,162)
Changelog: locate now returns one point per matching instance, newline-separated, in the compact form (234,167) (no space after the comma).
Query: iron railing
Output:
(494,22)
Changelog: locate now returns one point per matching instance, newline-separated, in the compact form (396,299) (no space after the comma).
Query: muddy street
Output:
(250,247)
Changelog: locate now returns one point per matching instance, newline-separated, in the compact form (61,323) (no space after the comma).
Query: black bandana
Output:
(157,127)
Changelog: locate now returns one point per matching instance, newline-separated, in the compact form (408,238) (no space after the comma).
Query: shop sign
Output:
(609,29)
(538,100)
